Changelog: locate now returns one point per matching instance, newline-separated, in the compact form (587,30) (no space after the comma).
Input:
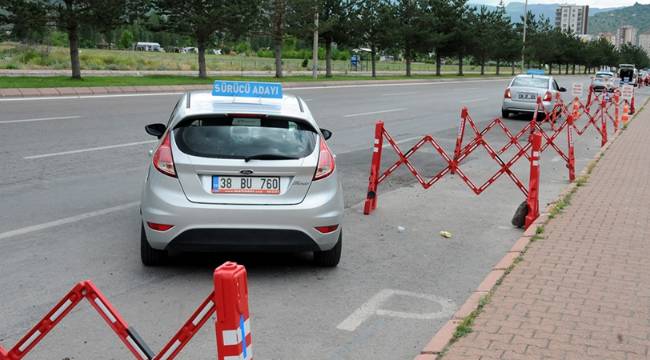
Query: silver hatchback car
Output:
(522,92)
(241,174)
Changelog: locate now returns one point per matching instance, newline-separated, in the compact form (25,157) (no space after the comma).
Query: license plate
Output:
(528,96)
(269,185)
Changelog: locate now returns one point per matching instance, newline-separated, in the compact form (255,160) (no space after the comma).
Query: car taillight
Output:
(163,159)
(326,229)
(159,227)
(507,94)
(325,161)
(548,96)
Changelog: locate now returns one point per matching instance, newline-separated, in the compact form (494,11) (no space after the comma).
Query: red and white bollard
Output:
(572,157)
(233,318)
(459,140)
(375,167)
(603,122)
(533,185)
(617,103)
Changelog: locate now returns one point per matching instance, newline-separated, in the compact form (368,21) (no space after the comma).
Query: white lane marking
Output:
(400,93)
(473,100)
(64,221)
(374,112)
(40,156)
(39,119)
(373,307)
(77,97)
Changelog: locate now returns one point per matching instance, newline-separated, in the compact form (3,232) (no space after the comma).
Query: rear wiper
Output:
(268,157)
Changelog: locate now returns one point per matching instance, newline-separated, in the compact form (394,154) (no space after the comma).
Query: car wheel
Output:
(505,114)
(149,255)
(329,258)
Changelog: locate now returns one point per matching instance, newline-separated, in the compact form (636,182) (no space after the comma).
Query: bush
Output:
(126,40)
(58,38)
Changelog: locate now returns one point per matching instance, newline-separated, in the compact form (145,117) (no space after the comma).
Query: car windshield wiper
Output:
(268,157)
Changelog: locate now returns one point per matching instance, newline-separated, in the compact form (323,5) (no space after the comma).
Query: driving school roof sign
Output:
(247,89)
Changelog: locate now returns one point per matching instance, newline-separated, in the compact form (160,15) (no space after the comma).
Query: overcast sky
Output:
(592,3)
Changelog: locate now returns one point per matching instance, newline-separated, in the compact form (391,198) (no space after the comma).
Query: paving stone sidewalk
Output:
(583,291)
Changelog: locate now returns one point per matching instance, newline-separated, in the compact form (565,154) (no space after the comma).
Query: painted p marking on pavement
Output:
(373,308)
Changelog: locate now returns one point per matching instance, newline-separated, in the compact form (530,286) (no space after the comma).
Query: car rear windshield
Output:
(243,137)
(531,82)
(604,76)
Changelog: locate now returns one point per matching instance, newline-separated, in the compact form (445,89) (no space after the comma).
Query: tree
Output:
(509,47)
(462,33)
(631,54)
(412,32)
(334,26)
(484,27)
(126,40)
(372,21)
(202,20)
(27,18)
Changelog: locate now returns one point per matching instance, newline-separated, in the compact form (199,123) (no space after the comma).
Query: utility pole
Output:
(314,69)
(523,48)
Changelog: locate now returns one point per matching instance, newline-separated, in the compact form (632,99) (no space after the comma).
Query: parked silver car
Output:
(521,94)
(241,174)
(603,81)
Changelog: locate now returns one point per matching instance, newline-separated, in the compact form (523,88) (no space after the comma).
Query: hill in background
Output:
(516,10)
(637,15)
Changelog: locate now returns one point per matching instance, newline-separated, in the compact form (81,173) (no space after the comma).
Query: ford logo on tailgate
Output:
(246,172)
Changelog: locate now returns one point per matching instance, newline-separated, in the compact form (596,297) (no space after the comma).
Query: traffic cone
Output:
(632,110)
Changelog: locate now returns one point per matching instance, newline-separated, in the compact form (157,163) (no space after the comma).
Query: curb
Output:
(437,345)
(101,90)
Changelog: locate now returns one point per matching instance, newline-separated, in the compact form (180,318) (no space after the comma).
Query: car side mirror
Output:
(562,89)
(326,133)
(156,130)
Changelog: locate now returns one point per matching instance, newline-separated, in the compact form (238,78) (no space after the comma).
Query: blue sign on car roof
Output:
(248,89)
(535,72)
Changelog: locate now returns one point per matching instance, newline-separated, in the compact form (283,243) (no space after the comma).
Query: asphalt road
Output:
(71,175)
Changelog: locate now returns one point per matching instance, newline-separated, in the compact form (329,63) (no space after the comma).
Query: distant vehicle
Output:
(603,81)
(235,175)
(148,46)
(644,77)
(628,74)
(522,92)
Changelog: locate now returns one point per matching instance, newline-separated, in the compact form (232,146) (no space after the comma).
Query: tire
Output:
(329,258)
(149,255)
(504,114)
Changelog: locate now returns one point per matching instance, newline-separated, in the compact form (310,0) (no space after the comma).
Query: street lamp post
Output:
(523,48)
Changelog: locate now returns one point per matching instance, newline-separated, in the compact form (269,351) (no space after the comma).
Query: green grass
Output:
(162,80)
(16,56)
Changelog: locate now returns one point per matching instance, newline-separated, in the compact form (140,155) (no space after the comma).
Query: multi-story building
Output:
(572,18)
(609,37)
(644,42)
(626,34)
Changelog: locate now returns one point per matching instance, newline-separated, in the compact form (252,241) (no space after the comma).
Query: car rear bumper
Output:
(222,227)
(524,106)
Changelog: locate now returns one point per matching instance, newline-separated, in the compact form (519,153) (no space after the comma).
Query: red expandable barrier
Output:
(233,321)
(452,163)
(230,296)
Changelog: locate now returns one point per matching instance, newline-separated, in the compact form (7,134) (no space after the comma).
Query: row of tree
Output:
(429,30)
